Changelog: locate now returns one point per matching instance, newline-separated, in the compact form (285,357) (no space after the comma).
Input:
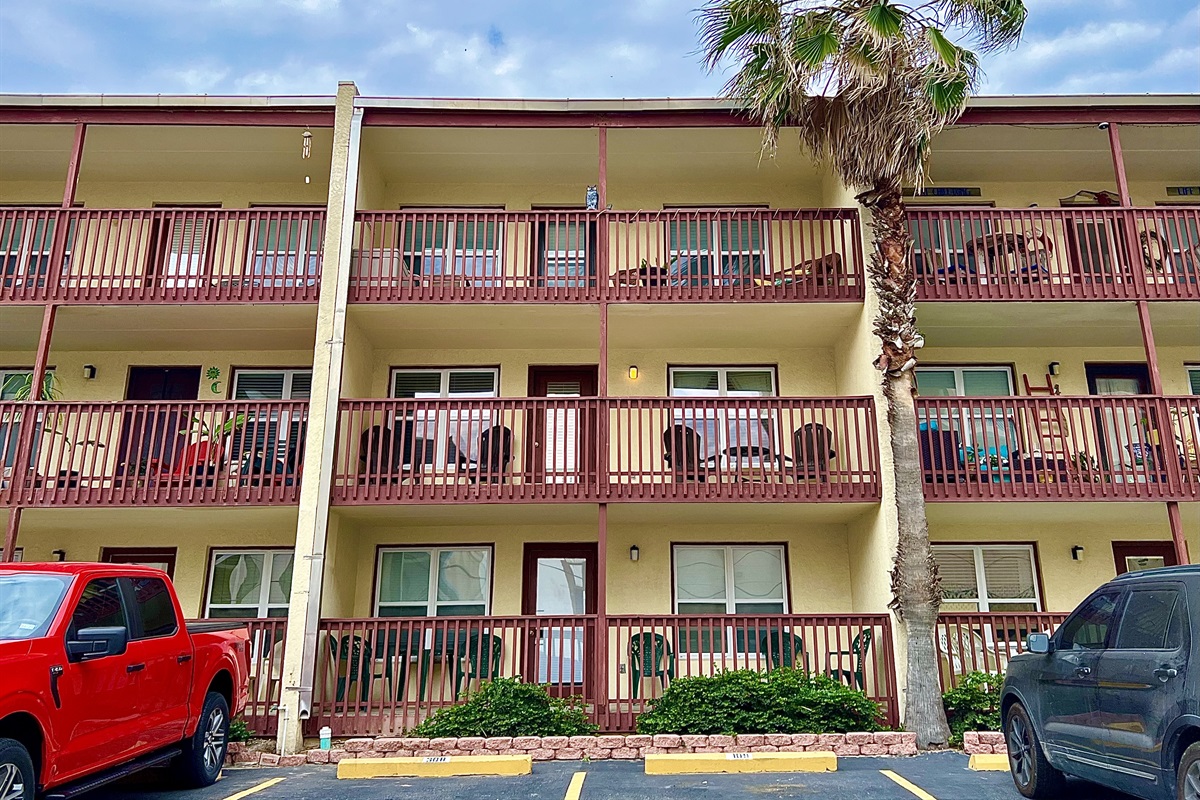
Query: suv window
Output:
(1087,629)
(153,601)
(1153,619)
(99,606)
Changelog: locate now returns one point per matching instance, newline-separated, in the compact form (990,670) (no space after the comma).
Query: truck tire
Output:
(204,752)
(17,778)
(1033,775)
(1189,773)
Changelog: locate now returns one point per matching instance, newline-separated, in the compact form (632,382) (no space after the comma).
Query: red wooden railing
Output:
(761,448)
(1056,253)
(450,450)
(651,651)
(383,676)
(1059,448)
(151,453)
(984,642)
(579,256)
(267,637)
(161,255)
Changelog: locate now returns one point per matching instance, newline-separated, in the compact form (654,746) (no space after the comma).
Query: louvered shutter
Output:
(1009,573)
(957,571)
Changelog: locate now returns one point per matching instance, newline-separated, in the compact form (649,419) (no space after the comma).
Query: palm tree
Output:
(868,84)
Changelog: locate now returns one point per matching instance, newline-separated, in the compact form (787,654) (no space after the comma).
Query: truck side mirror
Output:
(92,643)
(1038,643)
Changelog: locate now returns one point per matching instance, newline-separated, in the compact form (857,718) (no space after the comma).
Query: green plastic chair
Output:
(350,665)
(784,649)
(858,651)
(650,657)
(490,647)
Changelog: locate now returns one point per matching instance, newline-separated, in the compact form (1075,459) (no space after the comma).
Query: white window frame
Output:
(960,371)
(722,378)
(431,603)
(716,246)
(264,606)
(730,599)
(720,447)
(446,420)
(8,374)
(451,252)
(983,601)
(444,385)
(1192,371)
(288,376)
(306,266)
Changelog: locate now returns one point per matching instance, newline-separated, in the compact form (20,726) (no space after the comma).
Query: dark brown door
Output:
(163,383)
(563,446)
(159,557)
(150,436)
(1124,432)
(1134,556)
(559,583)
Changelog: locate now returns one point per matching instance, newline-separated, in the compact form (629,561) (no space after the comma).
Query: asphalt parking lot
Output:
(940,776)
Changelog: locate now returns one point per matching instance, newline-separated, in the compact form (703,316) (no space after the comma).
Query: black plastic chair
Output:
(391,455)
(495,455)
(681,451)
(812,451)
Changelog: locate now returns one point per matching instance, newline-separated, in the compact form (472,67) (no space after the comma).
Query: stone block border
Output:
(984,742)
(597,748)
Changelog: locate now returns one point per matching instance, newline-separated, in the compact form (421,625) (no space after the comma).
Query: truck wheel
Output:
(17,779)
(1031,772)
(204,752)
(1189,773)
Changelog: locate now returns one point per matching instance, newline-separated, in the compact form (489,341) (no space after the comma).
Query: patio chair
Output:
(812,452)
(495,455)
(396,651)
(350,658)
(931,268)
(681,451)
(482,660)
(650,657)
(853,677)
(939,452)
(385,454)
(784,649)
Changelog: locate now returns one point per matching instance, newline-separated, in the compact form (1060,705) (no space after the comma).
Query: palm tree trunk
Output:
(916,591)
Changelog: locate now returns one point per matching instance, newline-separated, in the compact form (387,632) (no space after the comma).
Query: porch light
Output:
(306,143)
(59,555)
(1077,553)
(1053,367)
(633,373)
(89,372)
(634,553)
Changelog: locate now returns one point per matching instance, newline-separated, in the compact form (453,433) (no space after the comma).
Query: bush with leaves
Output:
(239,731)
(973,705)
(509,707)
(744,701)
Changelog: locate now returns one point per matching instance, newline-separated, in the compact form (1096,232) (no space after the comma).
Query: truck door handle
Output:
(1165,674)
(1083,672)
(183,659)
(135,668)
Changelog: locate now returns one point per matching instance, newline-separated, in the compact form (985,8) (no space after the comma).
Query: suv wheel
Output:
(204,753)
(1189,773)
(17,778)
(1032,773)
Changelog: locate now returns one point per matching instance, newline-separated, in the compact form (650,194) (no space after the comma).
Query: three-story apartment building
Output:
(581,391)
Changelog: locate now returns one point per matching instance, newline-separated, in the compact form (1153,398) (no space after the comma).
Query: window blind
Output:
(1009,574)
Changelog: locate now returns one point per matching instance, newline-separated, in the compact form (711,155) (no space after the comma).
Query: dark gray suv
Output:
(1113,696)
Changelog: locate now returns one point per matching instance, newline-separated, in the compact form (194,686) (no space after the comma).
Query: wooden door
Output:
(563,445)
(158,557)
(1134,556)
(1122,434)
(152,437)
(559,581)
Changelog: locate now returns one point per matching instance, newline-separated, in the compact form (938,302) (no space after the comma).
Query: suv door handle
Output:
(1083,671)
(1165,673)
(135,668)
(183,659)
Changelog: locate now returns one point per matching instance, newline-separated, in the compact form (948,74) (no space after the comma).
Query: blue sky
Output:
(509,48)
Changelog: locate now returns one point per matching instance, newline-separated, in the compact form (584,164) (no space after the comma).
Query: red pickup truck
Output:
(100,677)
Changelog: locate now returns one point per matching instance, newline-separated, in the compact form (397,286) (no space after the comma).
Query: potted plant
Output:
(202,455)
(19,388)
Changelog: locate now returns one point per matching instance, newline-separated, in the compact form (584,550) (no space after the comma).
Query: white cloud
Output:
(293,77)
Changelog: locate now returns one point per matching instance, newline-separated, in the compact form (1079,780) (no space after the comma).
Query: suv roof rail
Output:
(1161,572)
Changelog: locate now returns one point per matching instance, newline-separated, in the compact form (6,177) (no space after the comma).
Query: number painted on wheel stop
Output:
(437,759)
(738,756)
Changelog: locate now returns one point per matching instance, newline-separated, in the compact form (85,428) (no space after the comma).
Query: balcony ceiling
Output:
(64,526)
(1138,520)
(730,325)
(35,152)
(468,327)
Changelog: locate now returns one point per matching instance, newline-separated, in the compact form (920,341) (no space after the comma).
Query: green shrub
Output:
(744,701)
(973,705)
(239,731)
(509,707)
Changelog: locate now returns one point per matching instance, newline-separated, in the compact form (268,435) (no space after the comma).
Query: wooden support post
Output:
(1118,158)
(42,359)
(1143,311)
(10,534)
(602,616)
(602,180)
(73,165)
(1177,536)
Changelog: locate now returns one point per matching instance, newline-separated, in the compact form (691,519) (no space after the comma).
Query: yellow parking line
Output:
(576,786)
(255,789)
(912,787)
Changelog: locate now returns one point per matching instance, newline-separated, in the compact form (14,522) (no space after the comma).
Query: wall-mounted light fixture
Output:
(634,553)
(1053,367)
(59,555)
(89,372)
(633,372)
(1077,553)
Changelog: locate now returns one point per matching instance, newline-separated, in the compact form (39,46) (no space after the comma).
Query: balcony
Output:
(985,642)
(1056,253)
(578,256)
(1060,448)
(151,454)
(383,676)
(522,450)
(167,256)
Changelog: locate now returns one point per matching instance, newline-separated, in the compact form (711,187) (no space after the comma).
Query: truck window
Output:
(28,603)
(99,606)
(1151,620)
(1087,628)
(152,599)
